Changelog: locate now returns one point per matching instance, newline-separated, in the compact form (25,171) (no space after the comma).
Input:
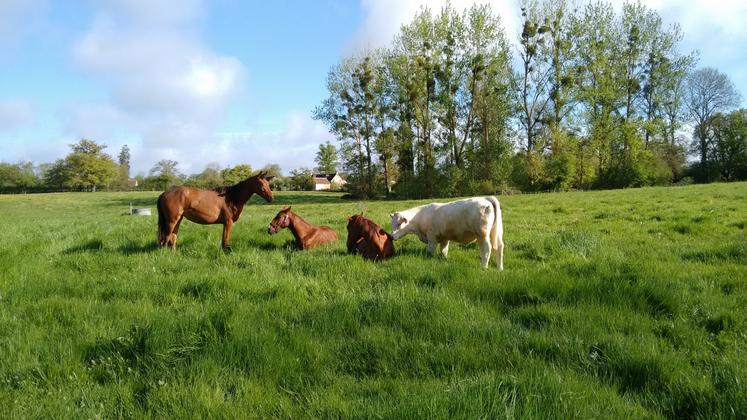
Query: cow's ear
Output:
(404,220)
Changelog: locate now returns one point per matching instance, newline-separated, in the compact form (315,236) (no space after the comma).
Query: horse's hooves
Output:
(227,249)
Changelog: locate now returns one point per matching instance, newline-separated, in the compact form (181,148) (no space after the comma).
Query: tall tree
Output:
(272,169)
(165,174)
(124,165)
(534,75)
(326,158)
(236,174)
(707,92)
(17,177)
(730,145)
(86,167)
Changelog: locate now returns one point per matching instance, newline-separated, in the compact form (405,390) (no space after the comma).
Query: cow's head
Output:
(398,223)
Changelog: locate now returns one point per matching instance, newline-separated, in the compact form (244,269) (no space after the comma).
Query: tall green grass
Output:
(619,304)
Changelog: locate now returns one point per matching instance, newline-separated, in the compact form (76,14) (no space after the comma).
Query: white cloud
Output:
(168,90)
(293,147)
(18,17)
(15,113)
(716,28)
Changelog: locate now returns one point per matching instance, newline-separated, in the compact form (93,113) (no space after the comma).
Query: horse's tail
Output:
(161,234)
(496,231)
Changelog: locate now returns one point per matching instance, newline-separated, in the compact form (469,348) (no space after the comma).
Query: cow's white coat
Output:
(472,219)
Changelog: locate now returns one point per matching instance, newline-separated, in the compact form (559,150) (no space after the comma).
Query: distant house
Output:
(132,182)
(331,181)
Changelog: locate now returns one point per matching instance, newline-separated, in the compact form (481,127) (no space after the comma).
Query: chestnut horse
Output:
(207,207)
(307,235)
(368,239)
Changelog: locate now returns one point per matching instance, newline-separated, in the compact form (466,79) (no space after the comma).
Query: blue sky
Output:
(225,81)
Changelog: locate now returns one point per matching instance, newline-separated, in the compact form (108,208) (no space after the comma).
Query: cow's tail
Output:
(161,233)
(496,231)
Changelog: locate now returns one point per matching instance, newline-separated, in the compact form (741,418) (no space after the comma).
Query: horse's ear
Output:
(288,208)
(350,218)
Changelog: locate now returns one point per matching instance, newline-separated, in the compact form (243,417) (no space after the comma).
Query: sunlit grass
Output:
(622,304)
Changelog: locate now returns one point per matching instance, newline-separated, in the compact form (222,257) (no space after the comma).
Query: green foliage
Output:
(620,304)
(124,166)
(730,145)
(326,158)
(236,174)
(301,179)
(210,177)
(86,167)
(272,169)
(163,175)
(17,177)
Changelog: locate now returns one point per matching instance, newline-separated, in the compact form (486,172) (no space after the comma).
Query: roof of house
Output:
(329,176)
(321,180)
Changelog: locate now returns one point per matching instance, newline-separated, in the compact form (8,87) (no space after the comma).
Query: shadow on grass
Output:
(263,245)
(91,246)
(132,247)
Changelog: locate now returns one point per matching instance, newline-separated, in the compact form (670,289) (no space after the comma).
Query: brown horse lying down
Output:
(307,235)
(207,207)
(368,239)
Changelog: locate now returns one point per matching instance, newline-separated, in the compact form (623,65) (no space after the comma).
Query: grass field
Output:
(622,304)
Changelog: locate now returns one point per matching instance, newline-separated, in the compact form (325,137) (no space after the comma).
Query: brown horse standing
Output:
(307,235)
(368,239)
(207,207)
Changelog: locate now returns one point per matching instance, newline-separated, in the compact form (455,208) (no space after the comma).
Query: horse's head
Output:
(260,186)
(356,227)
(281,221)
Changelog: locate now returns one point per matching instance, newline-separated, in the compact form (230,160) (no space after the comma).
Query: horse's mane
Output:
(229,191)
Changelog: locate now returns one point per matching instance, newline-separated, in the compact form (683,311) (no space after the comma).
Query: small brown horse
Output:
(368,239)
(207,207)
(307,235)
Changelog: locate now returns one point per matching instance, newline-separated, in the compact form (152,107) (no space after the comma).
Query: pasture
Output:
(618,304)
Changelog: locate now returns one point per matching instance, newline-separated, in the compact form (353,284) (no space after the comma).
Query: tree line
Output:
(588,98)
(89,168)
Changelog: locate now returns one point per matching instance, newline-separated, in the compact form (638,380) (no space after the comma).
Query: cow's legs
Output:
(432,243)
(227,226)
(499,254)
(445,248)
(485,252)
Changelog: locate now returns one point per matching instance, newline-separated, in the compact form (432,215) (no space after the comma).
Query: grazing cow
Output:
(368,239)
(463,221)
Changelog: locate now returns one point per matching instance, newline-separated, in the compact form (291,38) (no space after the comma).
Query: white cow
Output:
(463,221)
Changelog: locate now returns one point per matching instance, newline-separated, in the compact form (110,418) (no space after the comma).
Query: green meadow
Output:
(613,304)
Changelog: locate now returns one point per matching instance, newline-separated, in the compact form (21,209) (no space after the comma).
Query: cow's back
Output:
(463,220)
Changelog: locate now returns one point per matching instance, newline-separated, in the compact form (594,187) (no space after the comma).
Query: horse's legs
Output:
(171,233)
(227,226)
(174,232)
